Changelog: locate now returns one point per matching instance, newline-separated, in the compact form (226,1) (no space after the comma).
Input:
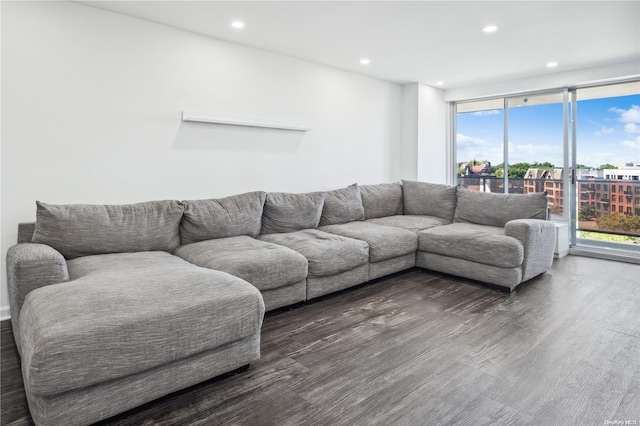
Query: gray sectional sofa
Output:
(114,306)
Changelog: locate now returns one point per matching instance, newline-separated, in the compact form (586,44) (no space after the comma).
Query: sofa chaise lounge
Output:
(114,306)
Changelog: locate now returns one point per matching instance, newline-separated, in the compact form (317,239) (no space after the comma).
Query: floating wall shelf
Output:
(234,121)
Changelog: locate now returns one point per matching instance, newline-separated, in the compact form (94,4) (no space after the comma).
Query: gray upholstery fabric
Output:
(327,254)
(505,277)
(412,223)
(486,208)
(381,200)
(284,296)
(31,266)
(224,217)
(83,229)
(342,205)
(125,313)
(319,286)
(538,237)
(262,264)
(429,199)
(391,266)
(85,406)
(385,242)
(131,327)
(25,232)
(478,243)
(291,212)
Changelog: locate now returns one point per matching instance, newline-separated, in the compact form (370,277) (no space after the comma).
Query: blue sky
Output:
(608,131)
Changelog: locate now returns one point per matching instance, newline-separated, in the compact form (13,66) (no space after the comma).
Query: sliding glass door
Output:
(607,178)
(536,149)
(514,145)
(580,145)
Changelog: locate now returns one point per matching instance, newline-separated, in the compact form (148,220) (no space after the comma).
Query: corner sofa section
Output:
(500,239)
(106,319)
(113,306)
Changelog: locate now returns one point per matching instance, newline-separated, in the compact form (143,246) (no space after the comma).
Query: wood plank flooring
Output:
(421,348)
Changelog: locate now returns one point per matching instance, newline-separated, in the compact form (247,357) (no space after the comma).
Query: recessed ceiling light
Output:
(490,29)
(365,61)
(439,83)
(237,25)
(552,64)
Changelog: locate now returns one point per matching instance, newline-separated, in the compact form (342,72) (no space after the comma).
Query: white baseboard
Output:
(5,314)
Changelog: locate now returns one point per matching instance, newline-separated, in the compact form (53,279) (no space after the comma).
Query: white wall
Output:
(91,105)
(433,160)
(424,144)
(409,131)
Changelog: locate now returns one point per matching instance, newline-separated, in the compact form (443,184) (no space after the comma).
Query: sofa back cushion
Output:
(486,208)
(291,212)
(223,217)
(84,229)
(429,199)
(342,205)
(381,200)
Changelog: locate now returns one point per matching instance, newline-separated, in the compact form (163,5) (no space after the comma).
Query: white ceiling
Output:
(417,41)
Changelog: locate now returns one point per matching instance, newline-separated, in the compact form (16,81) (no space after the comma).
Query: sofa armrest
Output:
(538,237)
(31,266)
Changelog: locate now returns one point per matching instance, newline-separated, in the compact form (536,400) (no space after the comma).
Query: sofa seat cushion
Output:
(385,242)
(262,264)
(125,313)
(327,254)
(478,243)
(410,222)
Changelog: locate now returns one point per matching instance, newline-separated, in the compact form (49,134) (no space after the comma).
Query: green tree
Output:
(587,212)
(619,222)
(607,166)
(518,170)
(545,165)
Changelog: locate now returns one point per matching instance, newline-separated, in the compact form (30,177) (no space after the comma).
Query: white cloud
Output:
(596,159)
(630,117)
(529,153)
(631,128)
(471,148)
(470,140)
(606,131)
(634,144)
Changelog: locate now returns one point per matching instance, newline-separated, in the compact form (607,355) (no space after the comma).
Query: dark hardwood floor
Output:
(420,348)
